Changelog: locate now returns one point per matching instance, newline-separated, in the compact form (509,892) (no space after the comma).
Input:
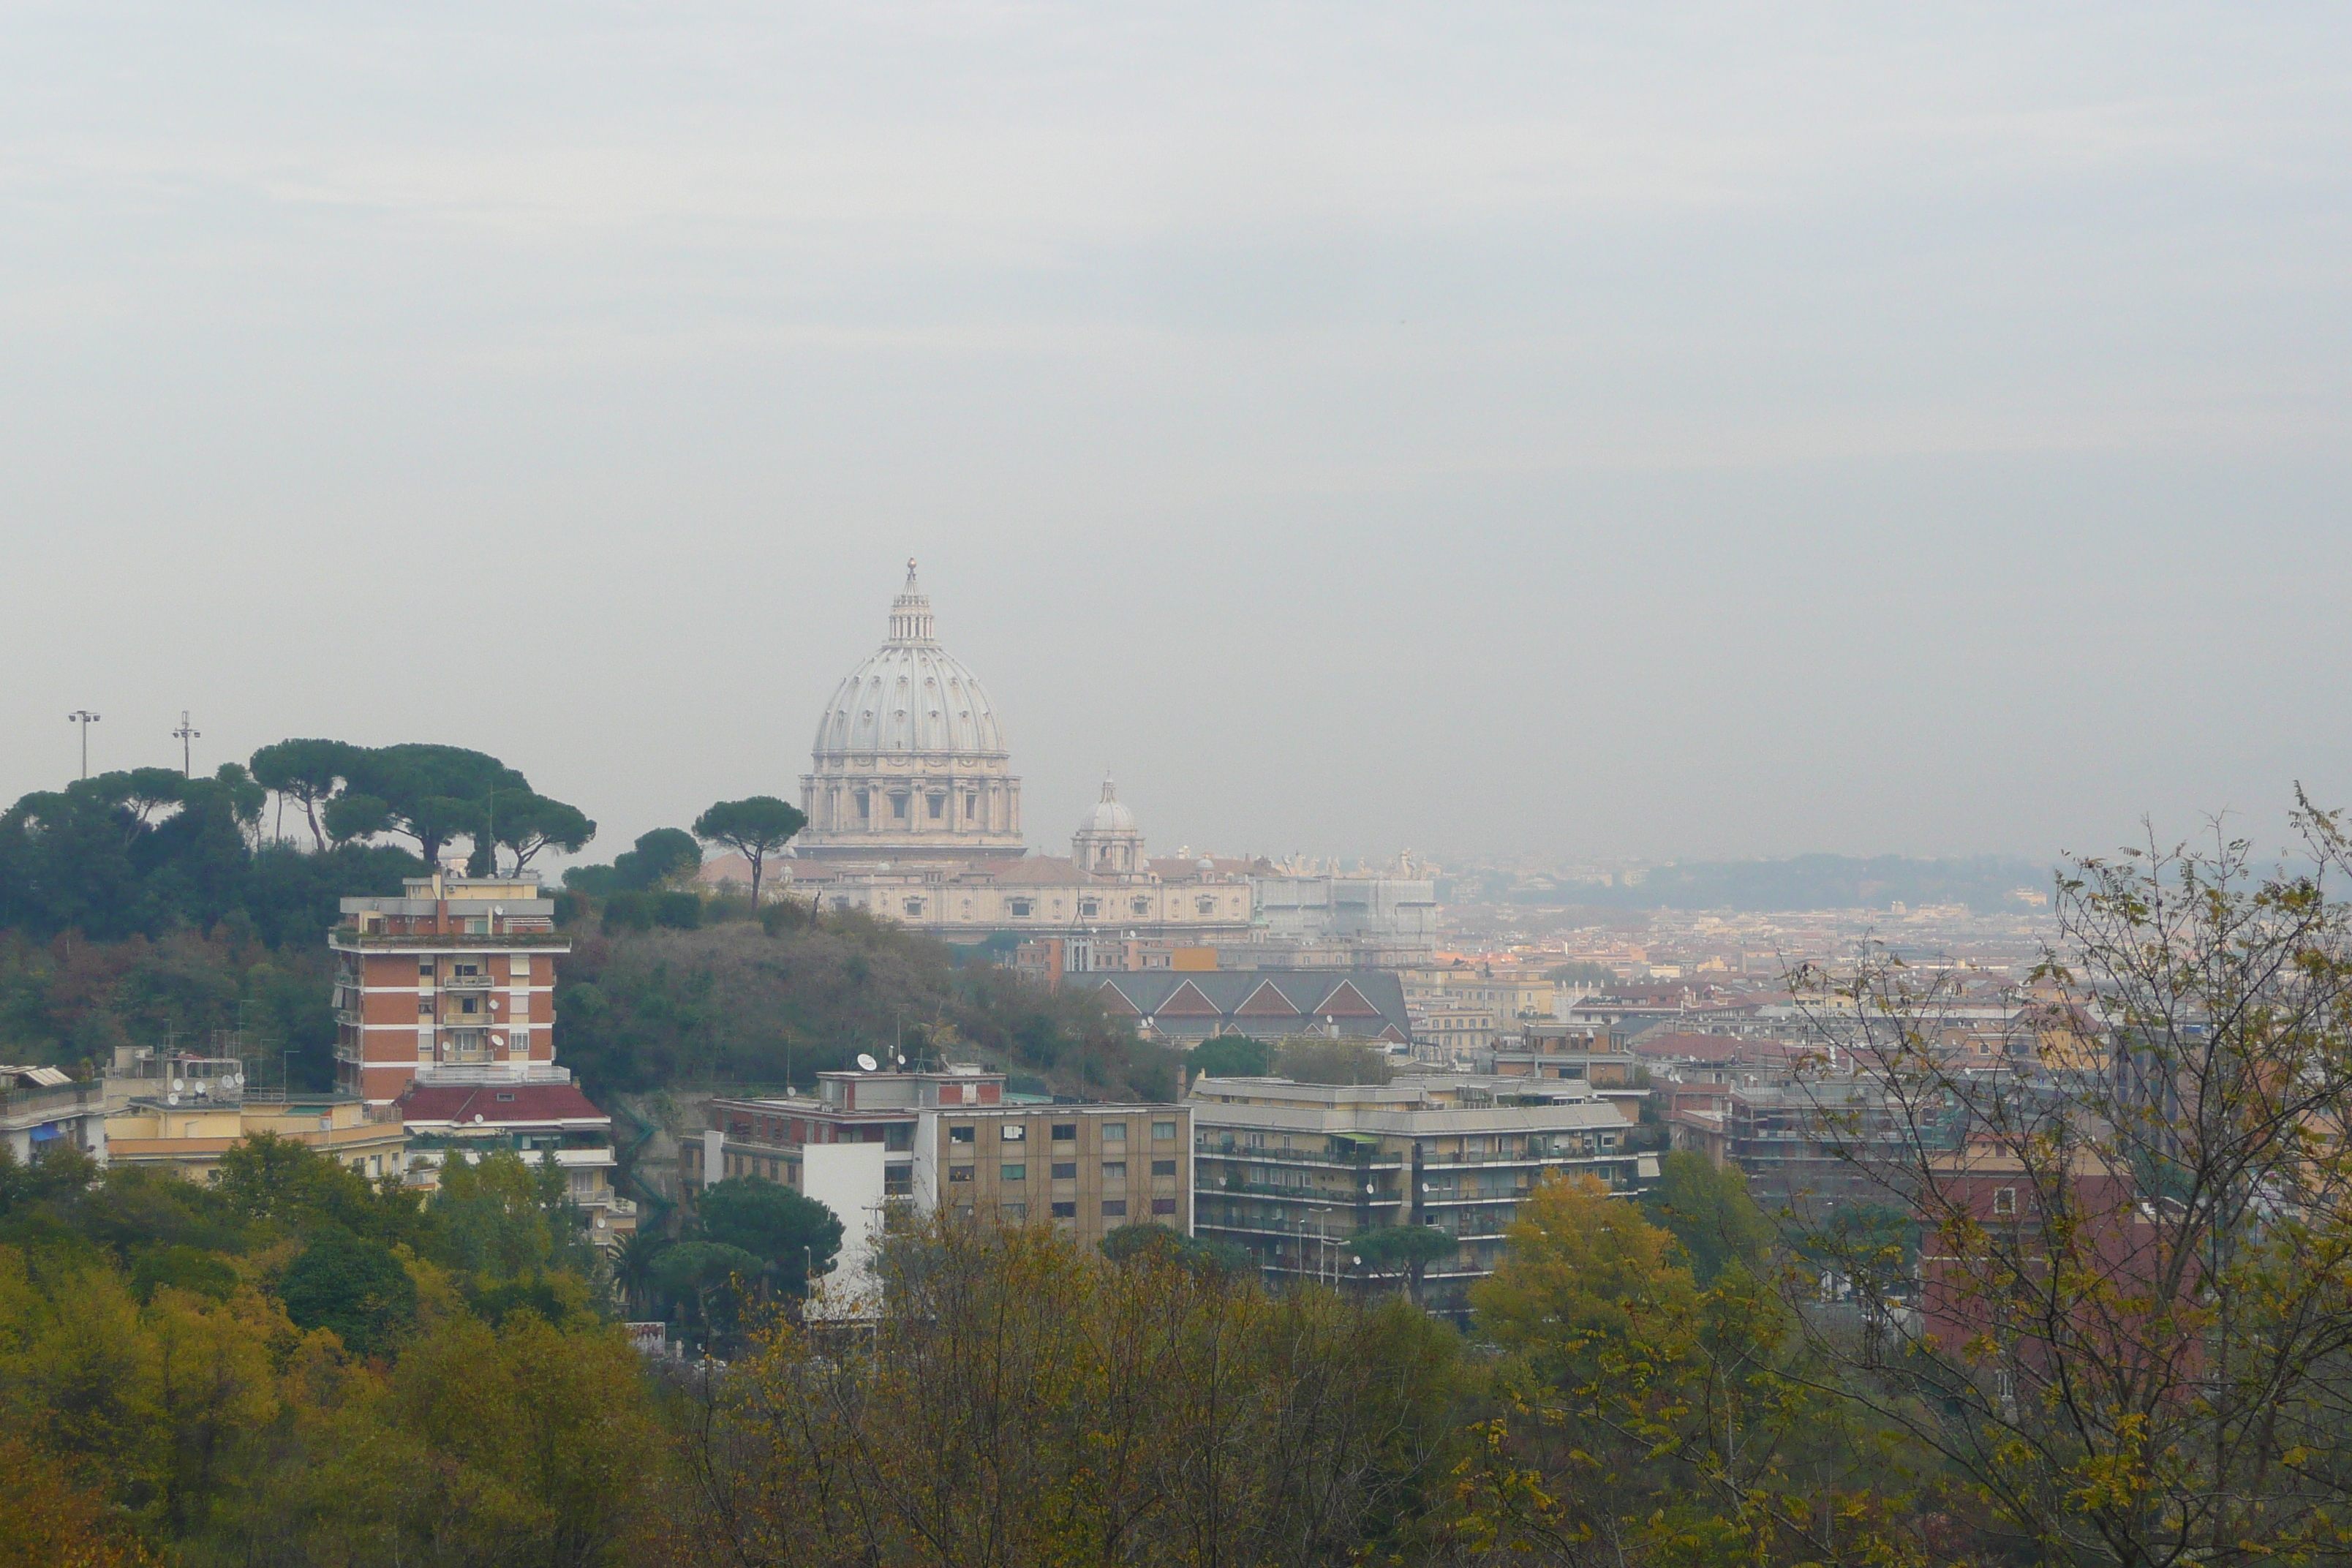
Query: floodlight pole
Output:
(184,734)
(85,718)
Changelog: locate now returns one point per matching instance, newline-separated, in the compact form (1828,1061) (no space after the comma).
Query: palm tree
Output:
(633,1268)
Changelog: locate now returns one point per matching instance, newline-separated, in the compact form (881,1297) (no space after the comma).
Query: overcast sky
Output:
(1568,429)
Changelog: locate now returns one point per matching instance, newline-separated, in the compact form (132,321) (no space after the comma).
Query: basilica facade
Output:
(915,814)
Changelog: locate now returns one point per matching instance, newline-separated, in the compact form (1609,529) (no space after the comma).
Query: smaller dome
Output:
(1107,815)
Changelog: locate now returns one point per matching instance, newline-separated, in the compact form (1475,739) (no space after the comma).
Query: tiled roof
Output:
(1690,1047)
(496,1103)
(1366,1002)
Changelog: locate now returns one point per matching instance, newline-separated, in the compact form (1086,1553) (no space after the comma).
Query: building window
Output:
(1141,906)
(1090,908)
(1065,1211)
(1065,1170)
(1011,1131)
(1163,1167)
(1012,1211)
(1066,1132)
(915,906)
(1114,1208)
(959,1172)
(970,803)
(425,968)
(962,1134)
(1114,1170)
(1013,1172)
(1164,1205)
(938,804)
(424,1006)
(2004,1200)
(1207,906)
(1161,1131)
(1114,1131)
(898,807)
(1018,907)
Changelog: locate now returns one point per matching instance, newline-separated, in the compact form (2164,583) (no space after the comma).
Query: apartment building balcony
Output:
(350,939)
(464,982)
(1470,1200)
(1228,1148)
(1563,1161)
(1335,1198)
(1280,1232)
(25,1108)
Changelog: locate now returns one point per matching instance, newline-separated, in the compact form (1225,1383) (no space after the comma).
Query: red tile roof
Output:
(1691,1048)
(529,1102)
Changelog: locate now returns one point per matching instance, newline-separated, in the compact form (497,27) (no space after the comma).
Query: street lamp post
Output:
(85,718)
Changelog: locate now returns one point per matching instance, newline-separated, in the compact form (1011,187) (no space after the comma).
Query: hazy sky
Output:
(1602,429)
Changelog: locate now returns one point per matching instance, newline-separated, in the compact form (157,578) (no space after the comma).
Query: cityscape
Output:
(1017,788)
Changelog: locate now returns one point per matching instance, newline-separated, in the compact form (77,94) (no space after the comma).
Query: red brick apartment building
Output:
(456,971)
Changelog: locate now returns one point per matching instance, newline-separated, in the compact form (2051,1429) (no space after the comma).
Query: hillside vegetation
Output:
(739,1003)
(722,1004)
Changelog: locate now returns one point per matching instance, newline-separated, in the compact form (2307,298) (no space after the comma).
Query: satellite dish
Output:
(171,1099)
(178,1084)
(236,1080)
(499,1041)
(477,1119)
(868,1064)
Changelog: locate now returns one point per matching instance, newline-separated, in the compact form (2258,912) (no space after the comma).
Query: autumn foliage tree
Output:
(1642,1417)
(1022,1401)
(2132,1335)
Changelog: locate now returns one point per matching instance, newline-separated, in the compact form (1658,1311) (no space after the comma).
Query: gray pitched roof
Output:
(1268,1003)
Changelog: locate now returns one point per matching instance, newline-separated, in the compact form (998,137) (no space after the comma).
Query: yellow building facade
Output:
(189,1139)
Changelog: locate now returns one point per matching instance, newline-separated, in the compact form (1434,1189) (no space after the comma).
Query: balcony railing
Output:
(464,982)
(1226,1149)
(1335,1196)
(1513,1196)
(32,1105)
(1435,1162)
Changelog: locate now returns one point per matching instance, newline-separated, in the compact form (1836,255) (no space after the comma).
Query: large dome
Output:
(909,763)
(910,695)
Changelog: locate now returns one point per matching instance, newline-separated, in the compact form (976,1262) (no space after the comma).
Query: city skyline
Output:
(1691,434)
